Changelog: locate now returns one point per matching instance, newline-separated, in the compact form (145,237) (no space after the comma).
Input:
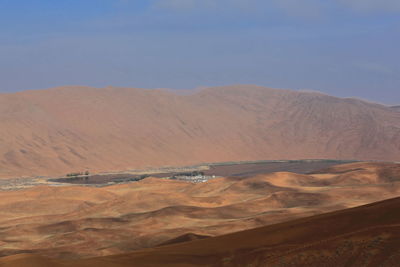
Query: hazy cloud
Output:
(300,8)
(375,68)
(372,6)
(177,4)
(295,8)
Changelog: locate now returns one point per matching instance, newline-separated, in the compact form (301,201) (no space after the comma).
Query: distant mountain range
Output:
(69,129)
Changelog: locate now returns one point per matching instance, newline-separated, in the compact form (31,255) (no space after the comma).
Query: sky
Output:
(346,48)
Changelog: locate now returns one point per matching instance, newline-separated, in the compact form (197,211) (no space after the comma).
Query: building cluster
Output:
(200,178)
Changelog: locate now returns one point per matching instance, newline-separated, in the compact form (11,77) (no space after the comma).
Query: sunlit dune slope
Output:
(69,129)
(80,222)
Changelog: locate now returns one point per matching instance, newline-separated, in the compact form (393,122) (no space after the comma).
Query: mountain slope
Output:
(55,131)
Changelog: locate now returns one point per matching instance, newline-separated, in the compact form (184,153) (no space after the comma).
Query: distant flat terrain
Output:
(224,169)
(263,167)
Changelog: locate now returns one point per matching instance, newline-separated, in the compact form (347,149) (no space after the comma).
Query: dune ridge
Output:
(363,236)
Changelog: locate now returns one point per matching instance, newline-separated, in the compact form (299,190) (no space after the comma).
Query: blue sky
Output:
(341,47)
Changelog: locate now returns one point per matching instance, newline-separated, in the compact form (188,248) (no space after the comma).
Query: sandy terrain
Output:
(81,222)
(362,236)
(71,129)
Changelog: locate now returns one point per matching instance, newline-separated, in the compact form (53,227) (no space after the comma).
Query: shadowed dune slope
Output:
(363,236)
(69,129)
(183,238)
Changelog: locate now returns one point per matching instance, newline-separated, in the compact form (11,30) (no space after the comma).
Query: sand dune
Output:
(69,129)
(362,236)
(83,222)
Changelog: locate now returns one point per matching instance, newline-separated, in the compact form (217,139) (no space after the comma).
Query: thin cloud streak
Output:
(373,6)
(296,8)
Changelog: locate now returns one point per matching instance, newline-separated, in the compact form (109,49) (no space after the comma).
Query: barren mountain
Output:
(70,225)
(61,130)
(75,222)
